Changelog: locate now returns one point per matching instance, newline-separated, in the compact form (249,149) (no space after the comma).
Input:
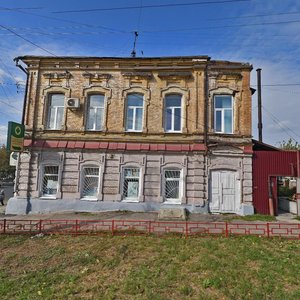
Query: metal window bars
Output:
(90,182)
(50,180)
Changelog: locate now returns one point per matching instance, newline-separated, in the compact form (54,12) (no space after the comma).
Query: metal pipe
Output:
(259,125)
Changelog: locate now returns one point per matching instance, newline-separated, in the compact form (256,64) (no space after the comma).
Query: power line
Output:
(279,123)
(66,21)
(149,6)
(256,16)
(28,41)
(20,8)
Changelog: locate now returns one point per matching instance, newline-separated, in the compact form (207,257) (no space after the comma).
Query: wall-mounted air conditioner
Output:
(73,103)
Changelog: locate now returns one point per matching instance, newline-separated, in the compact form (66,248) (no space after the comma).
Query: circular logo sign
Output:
(18,130)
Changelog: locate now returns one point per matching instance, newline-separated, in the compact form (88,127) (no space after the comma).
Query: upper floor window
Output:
(90,182)
(173,113)
(134,112)
(56,111)
(50,181)
(223,113)
(95,112)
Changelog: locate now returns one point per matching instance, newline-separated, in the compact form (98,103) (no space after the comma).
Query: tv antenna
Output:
(133,53)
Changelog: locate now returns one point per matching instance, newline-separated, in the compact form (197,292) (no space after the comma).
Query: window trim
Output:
(88,109)
(125,199)
(222,114)
(134,107)
(88,198)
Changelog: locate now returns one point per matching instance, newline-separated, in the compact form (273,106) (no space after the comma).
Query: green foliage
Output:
(285,191)
(6,171)
(289,145)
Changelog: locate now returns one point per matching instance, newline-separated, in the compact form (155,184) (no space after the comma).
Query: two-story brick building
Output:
(135,134)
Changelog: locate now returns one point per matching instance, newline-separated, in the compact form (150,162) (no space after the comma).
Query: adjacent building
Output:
(135,134)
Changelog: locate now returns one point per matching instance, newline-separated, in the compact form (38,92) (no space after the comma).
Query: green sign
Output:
(15,136)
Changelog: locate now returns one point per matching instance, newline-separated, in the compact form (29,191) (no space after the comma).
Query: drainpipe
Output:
(206,106)
(26,88)
(298,183)
(259,125)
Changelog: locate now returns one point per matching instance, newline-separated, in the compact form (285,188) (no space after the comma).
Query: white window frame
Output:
(96,109)
(89,198)
(134,108)
(128,199)
(56,125)
(222,110)
(172,114)
(49,196)
(180,194)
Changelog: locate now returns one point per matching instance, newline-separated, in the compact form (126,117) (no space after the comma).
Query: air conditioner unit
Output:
(73,103)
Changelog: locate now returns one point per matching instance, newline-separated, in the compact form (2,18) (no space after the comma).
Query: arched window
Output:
(173,113)
(95,112)
(134,112)
(56,106)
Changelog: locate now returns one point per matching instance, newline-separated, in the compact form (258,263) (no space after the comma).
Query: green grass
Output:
(65,267)
(297,218)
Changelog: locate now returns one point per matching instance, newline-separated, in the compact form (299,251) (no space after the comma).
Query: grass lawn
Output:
(64,267)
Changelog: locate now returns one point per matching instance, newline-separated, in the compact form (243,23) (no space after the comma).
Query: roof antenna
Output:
(133,53)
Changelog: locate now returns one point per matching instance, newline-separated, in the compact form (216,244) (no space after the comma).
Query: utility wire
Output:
(279,123)
(149,6)
(20,8)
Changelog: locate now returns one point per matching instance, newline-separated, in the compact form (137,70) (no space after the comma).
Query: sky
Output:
(264,33)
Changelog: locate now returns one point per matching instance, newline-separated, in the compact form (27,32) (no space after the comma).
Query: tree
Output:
(291,144)
(6,171)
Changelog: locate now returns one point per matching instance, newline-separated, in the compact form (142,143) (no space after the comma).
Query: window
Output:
(56,111)
(95,112)
(50,181)
(90,182)
(172,186)
(134,112)
(131,183)
(223,114)
(173,113)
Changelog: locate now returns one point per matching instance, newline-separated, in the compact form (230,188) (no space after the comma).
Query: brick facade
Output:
(196,150)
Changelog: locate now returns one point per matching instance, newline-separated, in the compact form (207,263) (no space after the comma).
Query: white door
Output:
(224,191)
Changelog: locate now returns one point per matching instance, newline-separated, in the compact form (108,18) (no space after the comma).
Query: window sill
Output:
(172,201)
(131,200)
(48,197)
(88,199)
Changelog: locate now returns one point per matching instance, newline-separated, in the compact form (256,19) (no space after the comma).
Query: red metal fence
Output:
(140,227)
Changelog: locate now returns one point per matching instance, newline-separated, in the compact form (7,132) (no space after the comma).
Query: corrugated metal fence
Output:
(265,165)
(142,227)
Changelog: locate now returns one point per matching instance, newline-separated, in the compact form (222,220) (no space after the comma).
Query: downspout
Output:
(17,174)
(26,88)
(206,107)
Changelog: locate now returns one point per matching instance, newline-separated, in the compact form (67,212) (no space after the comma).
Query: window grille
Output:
(131,181)
(172,184)
(50,180)
(90,182)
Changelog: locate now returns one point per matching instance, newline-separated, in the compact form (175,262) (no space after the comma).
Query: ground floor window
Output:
(172,185)
(90,186)
(131,183)
(50,181)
